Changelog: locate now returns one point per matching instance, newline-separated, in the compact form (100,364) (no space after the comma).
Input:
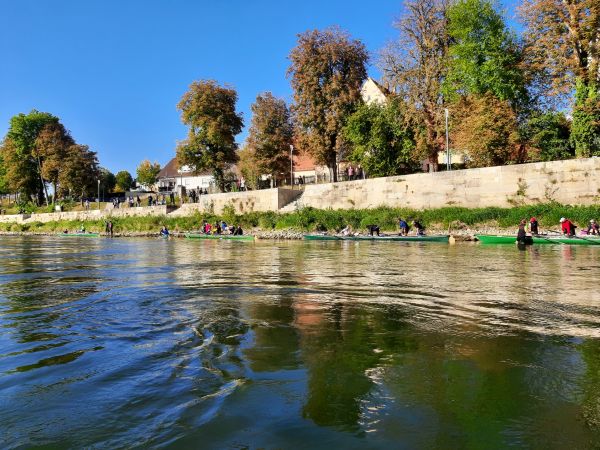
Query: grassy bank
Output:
(310,219)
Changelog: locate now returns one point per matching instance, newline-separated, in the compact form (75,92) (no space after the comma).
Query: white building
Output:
(172,178)
(372,92)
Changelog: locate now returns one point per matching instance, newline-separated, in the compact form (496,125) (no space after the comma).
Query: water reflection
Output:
(120,343)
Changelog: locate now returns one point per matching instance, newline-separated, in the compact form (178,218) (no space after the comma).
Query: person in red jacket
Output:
(567,227)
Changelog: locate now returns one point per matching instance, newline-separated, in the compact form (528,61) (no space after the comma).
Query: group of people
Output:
(567,227)
(374,229)
(354,173)
(221,228)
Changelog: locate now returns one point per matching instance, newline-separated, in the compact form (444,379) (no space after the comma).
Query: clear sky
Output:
(113,71)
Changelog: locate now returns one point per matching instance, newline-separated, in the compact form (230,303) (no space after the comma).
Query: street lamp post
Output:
(292,165)
(448,161)
(98,194)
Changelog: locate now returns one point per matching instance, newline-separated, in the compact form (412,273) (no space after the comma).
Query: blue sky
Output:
(113,71)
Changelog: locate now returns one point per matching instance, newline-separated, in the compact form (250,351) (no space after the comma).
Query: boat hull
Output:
(557,240)
(230,237)
(324,237)
(80,234)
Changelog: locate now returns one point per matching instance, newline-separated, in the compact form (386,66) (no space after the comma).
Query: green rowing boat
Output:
(231,237)
(539,239)
(79,234)
(328,237)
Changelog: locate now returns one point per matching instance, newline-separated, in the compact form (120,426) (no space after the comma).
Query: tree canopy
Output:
(483,56)
(124,180)
(382,142)
(327,70)
(108,182)
(18,152)
(415,66)
(270,135)
(147,172)
(209,111)
(486,130)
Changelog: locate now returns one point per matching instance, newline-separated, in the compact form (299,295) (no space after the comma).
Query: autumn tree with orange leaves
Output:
(327,71)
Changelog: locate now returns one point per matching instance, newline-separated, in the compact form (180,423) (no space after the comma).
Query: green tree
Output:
(415,67)
(248,167)
(382,142)
(483,56)
(107,181)
(547,135)
(23,168)
(585,136)
(327,70)
(124,180)
(80,173)
(147,172)
(3,184)
(209,110)
(486,130)
(270,135)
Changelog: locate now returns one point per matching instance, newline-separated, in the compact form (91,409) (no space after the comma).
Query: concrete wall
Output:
(93,214)
(568,182)
(243,202)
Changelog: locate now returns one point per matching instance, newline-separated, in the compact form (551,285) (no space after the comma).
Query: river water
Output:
(183,344)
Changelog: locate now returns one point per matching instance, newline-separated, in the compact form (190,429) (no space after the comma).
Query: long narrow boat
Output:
(79,234)
(539,239)
(328,237)
(232,237)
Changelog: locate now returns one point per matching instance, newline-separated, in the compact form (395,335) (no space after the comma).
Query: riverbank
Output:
(457,221)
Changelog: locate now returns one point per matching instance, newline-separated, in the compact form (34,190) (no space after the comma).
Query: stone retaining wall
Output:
(92,214)
(243,202)
(574,182)
(569,182)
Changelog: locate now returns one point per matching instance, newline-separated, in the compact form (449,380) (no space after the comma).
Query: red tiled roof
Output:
(304,162)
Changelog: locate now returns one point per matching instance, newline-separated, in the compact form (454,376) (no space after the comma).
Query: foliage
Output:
(270,135)
(382,142)
(147,172)
(3,182)
(248,167)
(486,130)
(484,56)
(209,111)
(415,67)
(107,179)
(547,135)
(327,70)
(80,172)
(585,135)
(310,219)
(22,166)
(51,148)
(124,180)
(562,42)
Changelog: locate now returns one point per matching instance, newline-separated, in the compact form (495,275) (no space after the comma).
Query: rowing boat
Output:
(538,239)
(232,237)
(328,237)
(79,234)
